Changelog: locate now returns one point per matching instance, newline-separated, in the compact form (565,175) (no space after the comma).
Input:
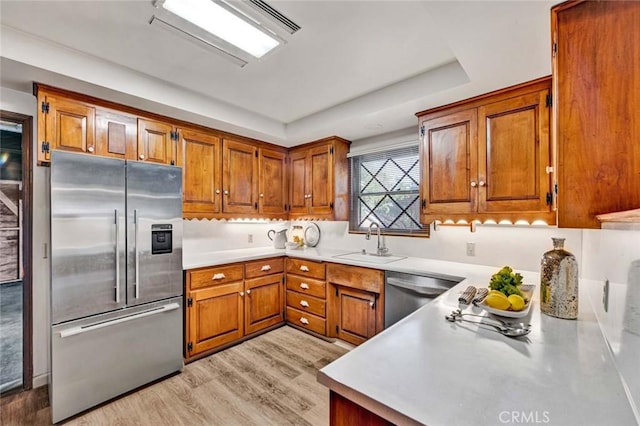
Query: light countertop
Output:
(425,370)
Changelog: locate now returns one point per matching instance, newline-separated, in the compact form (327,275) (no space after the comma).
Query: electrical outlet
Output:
(471,249)
(250,239)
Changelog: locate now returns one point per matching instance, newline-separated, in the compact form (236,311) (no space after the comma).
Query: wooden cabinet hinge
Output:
(331,206)
(549,198)
(45,107)
(189,347)
(189,302)
(256,152)
(422,131)
(44,147)
(549,100)
(331,150)
(255,206)
(424,203)
(337,329)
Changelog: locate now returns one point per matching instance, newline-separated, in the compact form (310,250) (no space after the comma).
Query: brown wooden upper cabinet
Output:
(156,141)
(63,123)
(199,155)
(116,134)
(319,180)
(272,183)
(597,93)
(489,157)
(239,177)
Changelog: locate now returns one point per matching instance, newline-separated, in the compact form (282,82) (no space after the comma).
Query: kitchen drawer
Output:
(306,320)
(306,303)
(260,268)
(306,268)
(217,275)
(367,279)
(307,286)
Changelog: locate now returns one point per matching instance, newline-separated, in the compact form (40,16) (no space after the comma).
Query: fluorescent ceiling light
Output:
(218,21)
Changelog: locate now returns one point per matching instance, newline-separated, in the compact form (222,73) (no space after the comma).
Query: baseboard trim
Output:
(41,380)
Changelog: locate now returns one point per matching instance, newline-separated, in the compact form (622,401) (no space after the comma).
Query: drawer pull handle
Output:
(304,303)
(266,268)
(304,286)
(304,320)
(219,276)
(304,268)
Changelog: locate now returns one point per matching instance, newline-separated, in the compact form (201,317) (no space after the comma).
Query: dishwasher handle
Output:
(431,292)
(92,327)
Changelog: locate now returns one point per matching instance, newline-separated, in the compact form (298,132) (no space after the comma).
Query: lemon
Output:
(499,293)
(517,302)
(498,301)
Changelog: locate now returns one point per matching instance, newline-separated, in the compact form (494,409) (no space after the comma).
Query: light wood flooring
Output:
(268,380)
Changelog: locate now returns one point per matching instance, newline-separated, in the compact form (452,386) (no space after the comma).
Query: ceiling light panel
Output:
(222,23)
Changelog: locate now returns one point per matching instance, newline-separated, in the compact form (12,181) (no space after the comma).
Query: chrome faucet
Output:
(382,250)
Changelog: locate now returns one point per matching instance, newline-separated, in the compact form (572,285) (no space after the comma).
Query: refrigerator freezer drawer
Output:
(98,358)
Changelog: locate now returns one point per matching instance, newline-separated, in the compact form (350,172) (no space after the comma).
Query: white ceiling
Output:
(356,68)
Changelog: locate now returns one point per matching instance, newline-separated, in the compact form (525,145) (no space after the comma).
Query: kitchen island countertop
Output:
(425,370)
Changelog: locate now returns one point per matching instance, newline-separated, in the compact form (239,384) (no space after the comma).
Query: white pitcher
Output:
(280,238)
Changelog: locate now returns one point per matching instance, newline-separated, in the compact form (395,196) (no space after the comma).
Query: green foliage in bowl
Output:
(506,281)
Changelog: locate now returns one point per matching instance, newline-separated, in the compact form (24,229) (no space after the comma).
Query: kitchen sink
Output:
(369,257)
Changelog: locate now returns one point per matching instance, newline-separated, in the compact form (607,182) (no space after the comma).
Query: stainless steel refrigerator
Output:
(116,278)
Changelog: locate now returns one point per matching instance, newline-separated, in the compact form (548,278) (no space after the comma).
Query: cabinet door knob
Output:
(261,195)
(141,156)
(304,303)
(304,268)
(482,183)
(304,320)
(217,191)
(242,294)
(248,291)
(226,192)
(90,149)
(266,268)
(304,286)
(473,184)
(219,276)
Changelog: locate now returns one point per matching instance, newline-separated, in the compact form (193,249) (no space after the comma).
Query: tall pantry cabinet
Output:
(596,73)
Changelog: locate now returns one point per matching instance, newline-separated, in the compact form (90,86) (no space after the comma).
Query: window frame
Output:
(355,220)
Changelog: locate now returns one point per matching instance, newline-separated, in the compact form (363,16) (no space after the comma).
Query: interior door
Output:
(154,232)
(87,235)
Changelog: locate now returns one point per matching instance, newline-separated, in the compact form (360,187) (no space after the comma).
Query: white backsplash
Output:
(200,236)
(615,255)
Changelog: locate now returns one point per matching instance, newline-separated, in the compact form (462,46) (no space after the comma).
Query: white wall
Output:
(24,103)
(615,255)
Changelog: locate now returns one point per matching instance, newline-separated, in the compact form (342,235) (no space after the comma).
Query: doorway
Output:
(15,252)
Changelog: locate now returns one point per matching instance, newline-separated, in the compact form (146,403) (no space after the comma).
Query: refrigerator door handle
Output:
(117,219)
(92,327)
(137,257)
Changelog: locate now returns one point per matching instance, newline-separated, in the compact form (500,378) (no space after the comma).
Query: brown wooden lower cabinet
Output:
(344,412)
(355,299)
(228,302)
(357,315)
(263,300)
(215,317)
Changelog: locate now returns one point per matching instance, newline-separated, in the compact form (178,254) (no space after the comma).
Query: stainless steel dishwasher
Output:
(404,293)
